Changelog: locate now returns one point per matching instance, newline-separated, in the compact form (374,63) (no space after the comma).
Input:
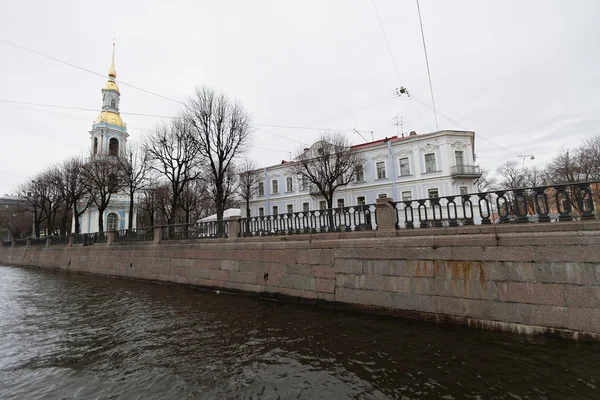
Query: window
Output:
(340,203)
(113,103)
(322,205)
(261,212)
(112,221)
(95,145)
(275,210)
(433,193)
(261,188)
(359,173)
(113,147)
(407,196)
(404,167)
(381,170)
(304,183)
(464,190)
(290,208)
(305,207)
(458,155)
(430,162)
(275,186)
(382,195)
(289,184)
(361,201)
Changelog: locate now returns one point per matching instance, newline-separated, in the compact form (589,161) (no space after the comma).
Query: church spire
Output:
(111,72)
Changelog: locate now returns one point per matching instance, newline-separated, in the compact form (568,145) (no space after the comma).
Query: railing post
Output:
(1,244)
(235,227)
(48,241)
(386,217)
(28,243)
(71,240)
(13,243)
(110,237)
(158,234)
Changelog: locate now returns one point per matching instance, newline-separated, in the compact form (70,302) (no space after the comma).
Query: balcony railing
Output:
(469,171)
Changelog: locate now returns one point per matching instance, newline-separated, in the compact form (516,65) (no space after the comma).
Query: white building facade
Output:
(108,138)
(402,168)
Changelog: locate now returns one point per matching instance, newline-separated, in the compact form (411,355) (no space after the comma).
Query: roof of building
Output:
(227,214)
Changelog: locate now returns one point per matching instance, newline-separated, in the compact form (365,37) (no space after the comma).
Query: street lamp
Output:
(523,156)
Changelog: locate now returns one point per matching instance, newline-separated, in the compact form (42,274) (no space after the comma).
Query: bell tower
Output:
(109,132)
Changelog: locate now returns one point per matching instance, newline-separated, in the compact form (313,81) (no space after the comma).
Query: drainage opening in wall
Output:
(130,265)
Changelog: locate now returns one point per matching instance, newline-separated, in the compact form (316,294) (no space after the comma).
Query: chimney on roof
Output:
(413,133)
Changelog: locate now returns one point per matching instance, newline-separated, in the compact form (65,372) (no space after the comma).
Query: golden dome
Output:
(110,85)
(110,117)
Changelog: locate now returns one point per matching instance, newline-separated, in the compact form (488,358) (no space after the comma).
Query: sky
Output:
(523,74)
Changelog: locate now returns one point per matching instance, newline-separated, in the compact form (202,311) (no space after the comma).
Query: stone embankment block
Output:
(529,278)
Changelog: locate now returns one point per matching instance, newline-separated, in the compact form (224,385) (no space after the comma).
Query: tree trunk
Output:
(101,220)
(247,227)
(219,206)
(76,217)
(130,226)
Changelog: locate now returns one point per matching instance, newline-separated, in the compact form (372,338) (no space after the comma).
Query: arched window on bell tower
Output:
(113,103)
(113,147)
(95,146)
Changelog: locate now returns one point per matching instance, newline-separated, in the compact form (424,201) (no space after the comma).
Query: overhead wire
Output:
(427,63)
(89,71)
(418,99)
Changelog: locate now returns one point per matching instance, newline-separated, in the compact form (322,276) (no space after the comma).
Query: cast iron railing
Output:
(20,242)
(88,239)
(37,242)
(59,240)
(196,230)
(135,235)
(341,219)
(523,205)
(7,243)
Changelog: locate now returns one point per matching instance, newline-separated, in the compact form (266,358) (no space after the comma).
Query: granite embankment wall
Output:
(535,278)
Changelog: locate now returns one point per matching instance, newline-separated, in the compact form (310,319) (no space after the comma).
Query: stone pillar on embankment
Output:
(534,278)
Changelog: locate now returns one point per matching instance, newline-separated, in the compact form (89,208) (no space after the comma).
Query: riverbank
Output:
(533,279)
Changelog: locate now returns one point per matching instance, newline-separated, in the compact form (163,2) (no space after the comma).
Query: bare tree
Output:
(173,152)
(68,180)
(486,181)
(330,163)
(134,171)
(510,175)
(249,177)
(101,178)
(192,198)
(222,131)
(33,193)
(150,203)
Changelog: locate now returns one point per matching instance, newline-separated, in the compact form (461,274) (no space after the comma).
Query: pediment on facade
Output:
(381,156)
(403,152)
(459,145)
(429,147)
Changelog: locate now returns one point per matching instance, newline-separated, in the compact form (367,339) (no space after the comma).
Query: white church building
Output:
(108,138)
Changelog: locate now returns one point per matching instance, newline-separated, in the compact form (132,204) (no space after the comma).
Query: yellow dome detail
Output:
(110,117)
(110,85)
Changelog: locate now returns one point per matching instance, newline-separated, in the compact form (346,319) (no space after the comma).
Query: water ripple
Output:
(68,336)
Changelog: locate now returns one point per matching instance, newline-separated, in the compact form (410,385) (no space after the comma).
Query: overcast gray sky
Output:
(523,74)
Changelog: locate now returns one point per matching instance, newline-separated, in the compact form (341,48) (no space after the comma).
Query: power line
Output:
(89,71)
(427,62)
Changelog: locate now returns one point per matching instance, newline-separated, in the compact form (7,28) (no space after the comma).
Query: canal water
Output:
(71,336)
